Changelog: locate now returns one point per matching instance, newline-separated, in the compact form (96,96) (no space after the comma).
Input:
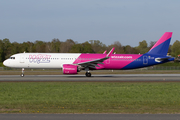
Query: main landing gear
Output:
(88,74)
(22,75)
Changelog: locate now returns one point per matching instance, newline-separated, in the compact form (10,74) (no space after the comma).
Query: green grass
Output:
(89,97)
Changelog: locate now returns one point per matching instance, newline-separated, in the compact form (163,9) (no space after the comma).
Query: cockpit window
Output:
(12,58)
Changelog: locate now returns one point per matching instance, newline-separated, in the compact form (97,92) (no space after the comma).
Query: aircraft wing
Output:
(93,63)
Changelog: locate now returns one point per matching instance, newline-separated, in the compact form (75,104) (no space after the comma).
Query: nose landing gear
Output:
(22,75)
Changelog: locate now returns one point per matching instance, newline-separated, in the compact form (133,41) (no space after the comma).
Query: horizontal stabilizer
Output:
(163,59)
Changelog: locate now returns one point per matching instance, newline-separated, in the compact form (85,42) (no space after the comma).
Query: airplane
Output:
(72,63)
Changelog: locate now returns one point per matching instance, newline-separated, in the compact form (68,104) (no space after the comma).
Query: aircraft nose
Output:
(5,63)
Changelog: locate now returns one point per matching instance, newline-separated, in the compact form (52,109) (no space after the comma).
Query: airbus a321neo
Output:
(72,63)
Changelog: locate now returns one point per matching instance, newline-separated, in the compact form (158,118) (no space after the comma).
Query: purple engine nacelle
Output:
(70,69)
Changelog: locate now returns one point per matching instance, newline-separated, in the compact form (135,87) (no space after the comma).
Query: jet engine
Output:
(70,69)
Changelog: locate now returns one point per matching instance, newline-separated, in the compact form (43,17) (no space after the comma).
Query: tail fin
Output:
(162,45)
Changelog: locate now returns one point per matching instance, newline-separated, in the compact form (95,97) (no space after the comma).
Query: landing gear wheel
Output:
(22,75)
(88,74)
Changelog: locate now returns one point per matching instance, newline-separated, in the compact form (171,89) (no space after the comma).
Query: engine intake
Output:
(70,69)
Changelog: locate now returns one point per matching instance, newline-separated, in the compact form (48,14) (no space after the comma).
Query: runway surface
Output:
(90,116)
(94,78)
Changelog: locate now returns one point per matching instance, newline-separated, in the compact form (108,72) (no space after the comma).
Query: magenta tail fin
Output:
(162,45)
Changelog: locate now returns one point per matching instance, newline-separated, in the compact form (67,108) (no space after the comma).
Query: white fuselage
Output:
(40,60)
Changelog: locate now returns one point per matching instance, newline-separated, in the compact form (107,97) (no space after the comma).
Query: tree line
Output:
(69,46)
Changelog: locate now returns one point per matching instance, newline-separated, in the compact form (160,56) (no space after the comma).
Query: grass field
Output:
(89,97)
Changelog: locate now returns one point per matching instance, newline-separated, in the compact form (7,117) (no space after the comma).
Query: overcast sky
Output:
(126,21)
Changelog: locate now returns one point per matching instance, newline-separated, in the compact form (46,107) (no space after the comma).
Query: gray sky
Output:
(126,21)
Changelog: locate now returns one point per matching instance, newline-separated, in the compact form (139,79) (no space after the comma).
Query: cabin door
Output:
(22,57)
(145,60)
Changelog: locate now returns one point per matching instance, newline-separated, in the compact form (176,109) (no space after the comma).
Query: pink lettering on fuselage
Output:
(40,58)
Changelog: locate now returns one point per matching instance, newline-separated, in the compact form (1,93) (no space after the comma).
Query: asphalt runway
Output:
(90,116)
(94,78)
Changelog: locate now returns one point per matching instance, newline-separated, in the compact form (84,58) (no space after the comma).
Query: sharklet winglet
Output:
(110,52)
(104,52)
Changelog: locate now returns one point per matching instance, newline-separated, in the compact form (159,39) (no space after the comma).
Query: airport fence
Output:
(163,68)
